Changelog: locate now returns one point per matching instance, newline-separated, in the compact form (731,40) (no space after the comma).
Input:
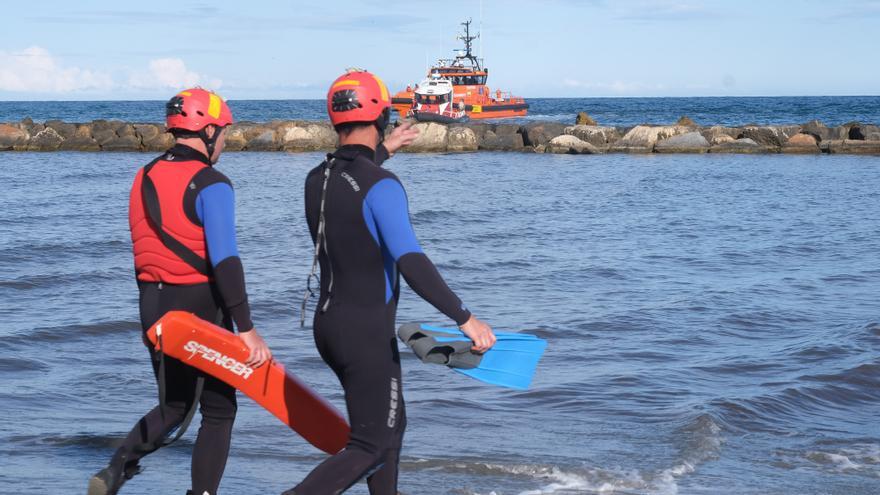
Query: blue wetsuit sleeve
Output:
(387,203)
(215,207)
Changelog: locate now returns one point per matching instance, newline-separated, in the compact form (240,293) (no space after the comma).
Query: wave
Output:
(702,442)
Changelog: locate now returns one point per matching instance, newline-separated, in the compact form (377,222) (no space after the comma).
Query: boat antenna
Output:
(480,32)
(468,43)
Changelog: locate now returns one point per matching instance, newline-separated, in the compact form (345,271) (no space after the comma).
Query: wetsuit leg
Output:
(365,359)
(218,404)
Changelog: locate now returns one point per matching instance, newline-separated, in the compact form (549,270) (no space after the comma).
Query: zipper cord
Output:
(320,241)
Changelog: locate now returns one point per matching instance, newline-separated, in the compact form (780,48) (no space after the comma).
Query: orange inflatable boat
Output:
(222,354)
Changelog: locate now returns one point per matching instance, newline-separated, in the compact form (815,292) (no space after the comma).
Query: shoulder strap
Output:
(150,198)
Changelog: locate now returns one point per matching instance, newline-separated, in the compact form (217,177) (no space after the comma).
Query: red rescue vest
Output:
(154,261)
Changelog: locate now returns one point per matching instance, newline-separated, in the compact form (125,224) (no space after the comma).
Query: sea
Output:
(713,321)
(831,110)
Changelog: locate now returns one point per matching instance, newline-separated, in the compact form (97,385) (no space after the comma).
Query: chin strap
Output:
(210,142)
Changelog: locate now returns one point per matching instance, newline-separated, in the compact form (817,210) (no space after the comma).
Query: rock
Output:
(432,138)
(235,137)
(691,142)
(80,143)
(505,142)
(773,136)
(852,146)
(27,121)
(571,145)
(148,132)
(461,139)
(801,143)
(264,141)
(161,142)
(103,125)
(584,119)
(743,145)
(819,131)
(63,129)
(641,138)
(506,129)
(12,138)
(307,137)
(46,140)
(129,142)
(539,133)
(596,135)
(103,135)
(719,134)
(686,121)
(480,129)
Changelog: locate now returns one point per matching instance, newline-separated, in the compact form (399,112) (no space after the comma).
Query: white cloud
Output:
(34,70)
(169,73)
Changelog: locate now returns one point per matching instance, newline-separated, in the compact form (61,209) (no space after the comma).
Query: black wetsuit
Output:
(209,202)
(369,239)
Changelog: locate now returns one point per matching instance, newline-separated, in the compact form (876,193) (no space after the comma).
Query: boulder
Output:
(81,140)
(571,145)
(819,131)
(161,142)
(743,145)
(584,119)
(12,138)
(63,129)
(103,125)
(862,132)
(596,135)
(103,135)
(307,137)
(148,132)
(801,143)
(236,139)
(852,146)
(504,142)
(538,133)
(263,141)
(720,134)
(691,142)
(46,140)
(432,138)
(686,121)
(129,142)
(506,129)
(773,136)
(461,139)
(642,138)
(480,129)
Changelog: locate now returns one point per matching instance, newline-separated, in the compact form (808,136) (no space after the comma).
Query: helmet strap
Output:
(210,142)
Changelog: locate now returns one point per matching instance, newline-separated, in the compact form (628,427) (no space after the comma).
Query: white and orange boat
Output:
(469,91)
(433,102)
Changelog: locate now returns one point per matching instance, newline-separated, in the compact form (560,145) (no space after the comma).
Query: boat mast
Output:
(468,41)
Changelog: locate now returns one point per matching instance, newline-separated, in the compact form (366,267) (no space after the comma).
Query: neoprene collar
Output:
(351,151)
(183,153)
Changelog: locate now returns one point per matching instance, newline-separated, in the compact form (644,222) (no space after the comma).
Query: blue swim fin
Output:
(511,362)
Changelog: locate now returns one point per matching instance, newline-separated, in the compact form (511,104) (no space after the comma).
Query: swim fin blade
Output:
(511,362)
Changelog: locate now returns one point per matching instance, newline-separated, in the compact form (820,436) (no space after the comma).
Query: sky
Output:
(262,49)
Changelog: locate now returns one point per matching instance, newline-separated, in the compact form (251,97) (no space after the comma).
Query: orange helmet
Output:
(359,96)
(194,109)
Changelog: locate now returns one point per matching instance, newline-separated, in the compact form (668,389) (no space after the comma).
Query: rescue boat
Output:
(433,102)
(468,77)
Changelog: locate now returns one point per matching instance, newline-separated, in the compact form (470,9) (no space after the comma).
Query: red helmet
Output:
(194,109)
(359,96)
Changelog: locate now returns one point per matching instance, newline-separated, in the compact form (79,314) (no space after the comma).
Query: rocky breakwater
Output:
(587,137)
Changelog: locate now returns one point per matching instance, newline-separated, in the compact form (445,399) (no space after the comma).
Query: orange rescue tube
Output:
(222,354)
